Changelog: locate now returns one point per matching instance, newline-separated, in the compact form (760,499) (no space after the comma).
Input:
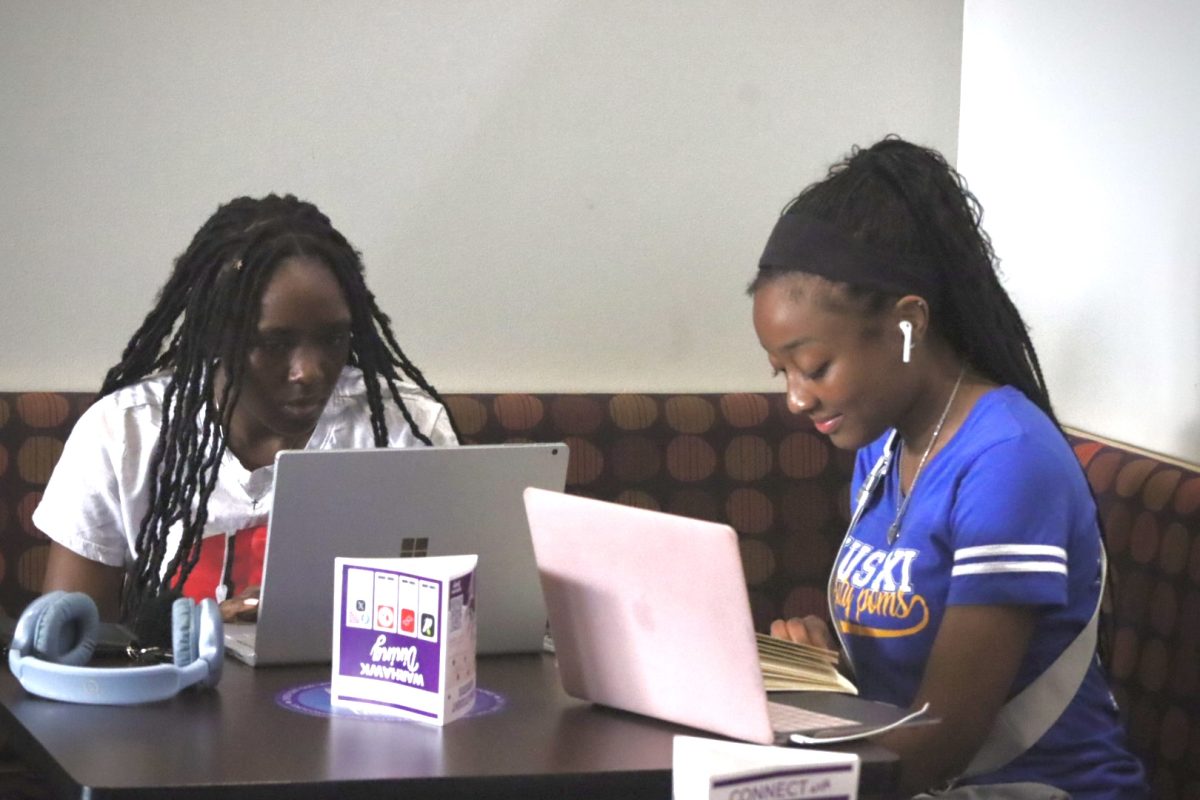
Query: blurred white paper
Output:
(710,769)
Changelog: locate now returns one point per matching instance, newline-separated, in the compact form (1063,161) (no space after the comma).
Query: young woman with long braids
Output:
(971,573)
(265,337)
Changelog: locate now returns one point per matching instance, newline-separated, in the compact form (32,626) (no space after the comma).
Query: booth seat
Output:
(744,460)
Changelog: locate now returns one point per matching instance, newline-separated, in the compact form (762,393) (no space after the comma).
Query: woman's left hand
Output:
(808,630)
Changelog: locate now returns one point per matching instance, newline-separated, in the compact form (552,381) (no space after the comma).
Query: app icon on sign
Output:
(385,617)
(408,620)
(427,625)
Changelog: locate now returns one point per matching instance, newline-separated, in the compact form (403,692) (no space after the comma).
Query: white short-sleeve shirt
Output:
(98,494)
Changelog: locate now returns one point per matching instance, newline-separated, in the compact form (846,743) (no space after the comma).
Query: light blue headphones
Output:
(56,635)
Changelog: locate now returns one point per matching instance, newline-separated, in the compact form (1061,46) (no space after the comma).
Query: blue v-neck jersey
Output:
(1002,515)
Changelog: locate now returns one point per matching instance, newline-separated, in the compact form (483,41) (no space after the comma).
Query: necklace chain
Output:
(894,531)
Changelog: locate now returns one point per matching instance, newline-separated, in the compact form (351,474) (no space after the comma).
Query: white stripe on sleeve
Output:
(992,550)
(988,567)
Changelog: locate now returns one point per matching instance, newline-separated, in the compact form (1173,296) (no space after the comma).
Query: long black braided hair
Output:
(906,200)
(206,315)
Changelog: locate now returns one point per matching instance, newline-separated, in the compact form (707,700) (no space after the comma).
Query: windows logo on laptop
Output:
(414,547)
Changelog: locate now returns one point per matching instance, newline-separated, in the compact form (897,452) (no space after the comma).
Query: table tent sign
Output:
(711,769)
(404,634)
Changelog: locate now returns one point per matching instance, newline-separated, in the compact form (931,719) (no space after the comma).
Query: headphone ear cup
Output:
(185,632)
(211,647)
(64,630)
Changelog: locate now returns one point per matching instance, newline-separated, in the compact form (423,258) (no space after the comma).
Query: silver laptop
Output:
(384,503)
(649,613)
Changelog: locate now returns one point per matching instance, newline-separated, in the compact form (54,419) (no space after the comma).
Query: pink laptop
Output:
(649,613)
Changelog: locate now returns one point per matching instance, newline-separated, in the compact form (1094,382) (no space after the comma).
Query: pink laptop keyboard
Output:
(790,719)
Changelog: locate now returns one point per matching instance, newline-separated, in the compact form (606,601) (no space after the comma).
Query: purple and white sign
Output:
(404,636)
(384,644)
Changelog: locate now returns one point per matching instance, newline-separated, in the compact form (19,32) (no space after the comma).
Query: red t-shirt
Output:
(245,564)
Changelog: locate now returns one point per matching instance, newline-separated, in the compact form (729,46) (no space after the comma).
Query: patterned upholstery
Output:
(742,459)
(33,427)
(737,458)
(1151,512)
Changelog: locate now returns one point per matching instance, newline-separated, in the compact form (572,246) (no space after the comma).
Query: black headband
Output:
(800,243)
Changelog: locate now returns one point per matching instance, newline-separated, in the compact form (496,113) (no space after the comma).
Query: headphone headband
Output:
(55,637)
(112,686)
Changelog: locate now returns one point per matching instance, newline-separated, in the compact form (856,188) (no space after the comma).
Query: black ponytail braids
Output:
(905,201)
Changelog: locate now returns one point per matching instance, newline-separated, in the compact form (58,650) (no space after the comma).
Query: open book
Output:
(792,667)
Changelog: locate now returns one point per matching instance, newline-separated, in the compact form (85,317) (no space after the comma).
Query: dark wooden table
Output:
(239,740)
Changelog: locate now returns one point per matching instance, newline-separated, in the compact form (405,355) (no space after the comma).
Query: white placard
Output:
(404,636)
(710,769)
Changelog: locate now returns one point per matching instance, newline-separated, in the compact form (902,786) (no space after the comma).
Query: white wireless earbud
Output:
(906,329)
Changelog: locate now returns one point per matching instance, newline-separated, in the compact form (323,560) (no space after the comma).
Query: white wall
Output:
(549,195)
(1079,130)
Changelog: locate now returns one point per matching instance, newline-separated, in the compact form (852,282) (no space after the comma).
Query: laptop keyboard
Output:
(790,719)
(241,635)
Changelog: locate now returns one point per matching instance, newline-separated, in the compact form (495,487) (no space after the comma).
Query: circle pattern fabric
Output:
(743,459)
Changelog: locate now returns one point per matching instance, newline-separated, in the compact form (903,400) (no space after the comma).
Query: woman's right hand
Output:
(809,630)
(242,608)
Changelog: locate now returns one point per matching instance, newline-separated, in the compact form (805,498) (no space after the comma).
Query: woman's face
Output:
(841,369)
(294,358)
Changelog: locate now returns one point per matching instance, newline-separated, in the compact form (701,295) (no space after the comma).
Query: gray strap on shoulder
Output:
(1025,718)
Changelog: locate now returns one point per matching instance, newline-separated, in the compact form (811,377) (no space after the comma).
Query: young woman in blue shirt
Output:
(974,558)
